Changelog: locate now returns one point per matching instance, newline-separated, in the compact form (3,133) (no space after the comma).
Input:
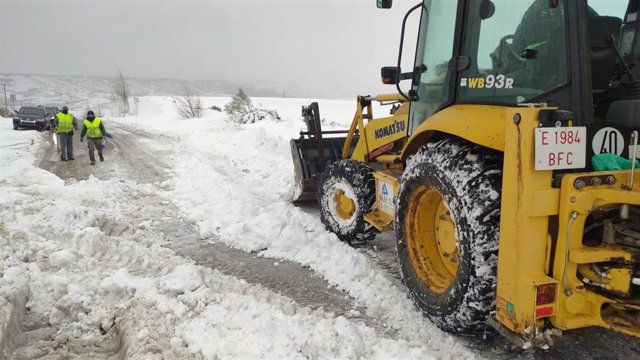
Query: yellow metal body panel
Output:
(384,212)
(382,131)
(389,159)
(375,133)
(545,202)
(616,280)
(523,240)
(599,254)
(379,219)
(480,124)
(403,109)
(528,202)
(578,306)
(361,150)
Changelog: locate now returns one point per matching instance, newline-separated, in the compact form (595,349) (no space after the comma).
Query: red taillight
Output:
(545,294)
(544,311)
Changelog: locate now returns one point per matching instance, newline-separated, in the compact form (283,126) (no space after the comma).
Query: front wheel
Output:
(447,227)
(347,193)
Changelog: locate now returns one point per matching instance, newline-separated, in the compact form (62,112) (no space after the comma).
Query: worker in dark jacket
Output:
(94,129)
(65,124)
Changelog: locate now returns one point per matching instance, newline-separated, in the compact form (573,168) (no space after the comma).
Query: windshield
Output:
(516,51)
(52,110)
(31,111)
(516,54)
(435,49)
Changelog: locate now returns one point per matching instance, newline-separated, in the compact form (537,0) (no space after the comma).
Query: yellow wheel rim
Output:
(345,206)
(431,240)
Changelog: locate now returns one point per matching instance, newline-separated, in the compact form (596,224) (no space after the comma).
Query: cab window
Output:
(517,51)
(435,49)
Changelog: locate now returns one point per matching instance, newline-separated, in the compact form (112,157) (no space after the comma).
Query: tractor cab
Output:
(531,53)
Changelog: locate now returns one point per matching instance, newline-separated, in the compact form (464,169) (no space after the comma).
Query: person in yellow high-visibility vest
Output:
(94,129)
(65,123)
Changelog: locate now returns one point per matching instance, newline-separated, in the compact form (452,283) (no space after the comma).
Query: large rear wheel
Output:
(347,193)
(447,226)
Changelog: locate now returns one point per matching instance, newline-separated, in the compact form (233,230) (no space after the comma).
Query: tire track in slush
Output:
(124,158)
(138,156)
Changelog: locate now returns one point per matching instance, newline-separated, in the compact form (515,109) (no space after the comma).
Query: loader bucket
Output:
(312,152)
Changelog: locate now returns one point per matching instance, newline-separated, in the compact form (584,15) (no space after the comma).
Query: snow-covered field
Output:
(83,259)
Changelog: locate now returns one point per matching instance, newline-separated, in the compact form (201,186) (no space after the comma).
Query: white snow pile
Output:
(84,276)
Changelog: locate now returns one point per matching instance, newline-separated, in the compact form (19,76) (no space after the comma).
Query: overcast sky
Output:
(321,47)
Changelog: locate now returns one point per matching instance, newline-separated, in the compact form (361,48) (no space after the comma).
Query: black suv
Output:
(35,117)
(51,111)
(51,115)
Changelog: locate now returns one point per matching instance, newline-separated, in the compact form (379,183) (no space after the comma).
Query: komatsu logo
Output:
(396,127)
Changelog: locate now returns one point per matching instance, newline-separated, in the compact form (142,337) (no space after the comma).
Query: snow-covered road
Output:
(183,244)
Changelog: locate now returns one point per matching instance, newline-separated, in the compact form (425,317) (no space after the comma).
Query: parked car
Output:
(51,111)
(34,117)
(51,115)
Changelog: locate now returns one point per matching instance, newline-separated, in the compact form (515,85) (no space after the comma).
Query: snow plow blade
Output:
(312,152)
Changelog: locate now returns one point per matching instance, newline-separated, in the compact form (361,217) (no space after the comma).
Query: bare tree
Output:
(189,105)
(121,93)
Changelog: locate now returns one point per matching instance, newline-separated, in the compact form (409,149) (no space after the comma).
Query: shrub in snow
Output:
(189,105)
(242,111)
(240,104)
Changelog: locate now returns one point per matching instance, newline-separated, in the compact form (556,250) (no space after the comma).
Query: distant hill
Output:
(95,91)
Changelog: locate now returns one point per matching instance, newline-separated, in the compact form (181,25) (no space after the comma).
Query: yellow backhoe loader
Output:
(505,173)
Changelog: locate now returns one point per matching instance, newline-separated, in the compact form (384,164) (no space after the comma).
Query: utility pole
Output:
(5,97)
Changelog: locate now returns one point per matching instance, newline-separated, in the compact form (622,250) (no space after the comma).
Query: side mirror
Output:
(389,75)
(392,74)
(384,4)
(487,9)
